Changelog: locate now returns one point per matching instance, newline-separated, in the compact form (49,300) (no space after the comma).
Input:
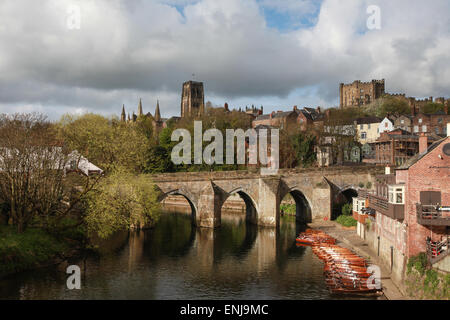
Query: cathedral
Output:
(157,122)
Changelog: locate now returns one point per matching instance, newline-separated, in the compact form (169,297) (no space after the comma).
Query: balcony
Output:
(381,205)
(436,251)
(431,215)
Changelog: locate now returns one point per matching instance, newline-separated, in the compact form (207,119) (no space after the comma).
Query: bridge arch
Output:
(343,196)
(303,210)
(180,192)
(251,209)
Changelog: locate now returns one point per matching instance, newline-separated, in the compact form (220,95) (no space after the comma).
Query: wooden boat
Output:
(345,272)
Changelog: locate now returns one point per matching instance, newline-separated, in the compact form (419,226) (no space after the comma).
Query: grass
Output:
(288,208)
(27,250)
(346,220)
(425,283)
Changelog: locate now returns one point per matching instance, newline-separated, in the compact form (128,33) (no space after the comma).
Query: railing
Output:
(378,203)
(432,215)
(437,251)
(381,205)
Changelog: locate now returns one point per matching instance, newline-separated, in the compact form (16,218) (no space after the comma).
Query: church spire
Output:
(140,112)
(157,112)
(122,116)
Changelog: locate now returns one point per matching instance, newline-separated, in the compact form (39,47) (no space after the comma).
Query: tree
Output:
(33,164)
(158,160)
(394,106)
(432,107)
(110,144)
(303,144)
(122,200)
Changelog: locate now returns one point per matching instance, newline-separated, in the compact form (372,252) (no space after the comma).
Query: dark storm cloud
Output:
(130,49)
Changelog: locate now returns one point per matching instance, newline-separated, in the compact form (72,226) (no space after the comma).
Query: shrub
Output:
(418,262)
(346,221)
(288,208)
(368,185)
(347,209)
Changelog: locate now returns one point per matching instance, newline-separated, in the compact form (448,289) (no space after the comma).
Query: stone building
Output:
(367,129)
(192,99)
(403,122)
(277,119)
(297,118)
(158,123)
(360,93)
(431,123)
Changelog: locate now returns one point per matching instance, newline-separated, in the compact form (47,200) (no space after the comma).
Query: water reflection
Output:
(176,260)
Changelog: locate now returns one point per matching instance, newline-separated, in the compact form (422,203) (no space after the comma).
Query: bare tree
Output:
(33,163)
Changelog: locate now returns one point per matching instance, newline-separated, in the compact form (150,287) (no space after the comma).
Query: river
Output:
(178,261)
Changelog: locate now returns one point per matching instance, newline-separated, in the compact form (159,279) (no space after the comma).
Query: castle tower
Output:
(192,99)
(157,112)
(140,112)
(123,116)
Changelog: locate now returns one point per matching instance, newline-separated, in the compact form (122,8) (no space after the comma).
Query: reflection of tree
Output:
(172,237)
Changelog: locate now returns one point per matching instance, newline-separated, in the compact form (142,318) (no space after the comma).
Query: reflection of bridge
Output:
(314,191)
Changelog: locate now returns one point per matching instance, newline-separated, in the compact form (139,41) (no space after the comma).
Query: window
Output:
(385,124)
(396,194)
(402,121)
(420,120)
(416,129)
(361,126)
(363,135)
(368,126)
(436,130)
(440,120)
(424,128)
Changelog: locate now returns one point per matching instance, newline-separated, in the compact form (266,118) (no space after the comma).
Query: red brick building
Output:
(426,178)
(435,123)
(412,209)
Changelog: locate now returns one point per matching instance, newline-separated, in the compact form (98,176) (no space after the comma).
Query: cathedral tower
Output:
(192,99)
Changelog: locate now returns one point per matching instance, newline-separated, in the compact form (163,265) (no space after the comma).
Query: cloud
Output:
(129,49)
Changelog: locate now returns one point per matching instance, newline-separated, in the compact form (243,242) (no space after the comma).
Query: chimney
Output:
(295,108)
(318,109)
(387,170)
(423,142)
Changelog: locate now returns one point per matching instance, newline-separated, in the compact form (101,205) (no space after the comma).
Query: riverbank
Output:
(348,238)
(32,249)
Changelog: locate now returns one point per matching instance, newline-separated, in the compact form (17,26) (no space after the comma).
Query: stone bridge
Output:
(314,190)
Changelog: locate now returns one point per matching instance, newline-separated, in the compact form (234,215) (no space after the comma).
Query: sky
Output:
(78,56)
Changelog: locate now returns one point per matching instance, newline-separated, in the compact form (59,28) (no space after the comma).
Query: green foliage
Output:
(432,107)
(393,105)
(418,262)
(361,185)
(158,160)
(109,144)
(368,185)
(122,200)
(303,144)
(431,281)
(347,209)
(346,221)
(21,251)
(288,208)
